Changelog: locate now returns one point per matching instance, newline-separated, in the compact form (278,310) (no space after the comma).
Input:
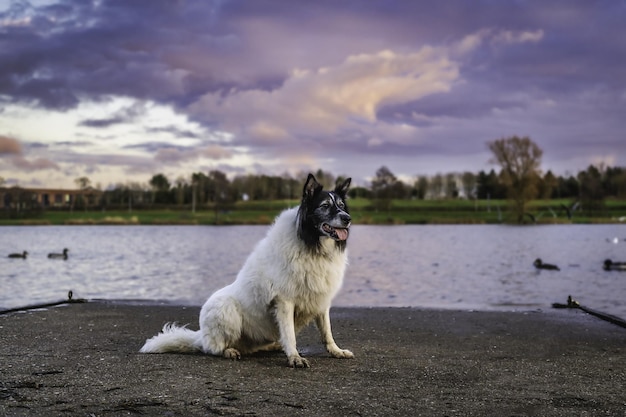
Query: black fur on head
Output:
(324,214)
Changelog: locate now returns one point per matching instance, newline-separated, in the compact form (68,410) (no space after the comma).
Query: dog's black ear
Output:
(342,189)
(311,187)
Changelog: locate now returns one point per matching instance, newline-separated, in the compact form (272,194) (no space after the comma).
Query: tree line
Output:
(596,181)
(214,187)
(519,180)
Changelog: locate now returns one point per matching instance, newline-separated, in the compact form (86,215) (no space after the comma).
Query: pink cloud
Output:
(33,165)
(9,146)
(175,156)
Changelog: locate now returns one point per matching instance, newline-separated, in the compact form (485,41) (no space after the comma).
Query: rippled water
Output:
(468,267)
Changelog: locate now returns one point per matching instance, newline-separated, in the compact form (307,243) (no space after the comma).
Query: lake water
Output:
(479,267)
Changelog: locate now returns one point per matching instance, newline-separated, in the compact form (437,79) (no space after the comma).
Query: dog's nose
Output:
(345,218)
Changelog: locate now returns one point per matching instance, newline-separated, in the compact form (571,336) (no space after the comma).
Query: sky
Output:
(119,90)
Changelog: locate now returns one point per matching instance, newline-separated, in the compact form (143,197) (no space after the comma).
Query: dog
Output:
(287,281)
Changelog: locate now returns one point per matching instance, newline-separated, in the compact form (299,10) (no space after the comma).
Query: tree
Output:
(547,185)
(519,159)
(616,182)
(382,187)
(217,186)
(180,186)
(421,187)
(82,183)
(489,186)
(325,178)
(160,187)
(219,192)
(591,191)
(199,182)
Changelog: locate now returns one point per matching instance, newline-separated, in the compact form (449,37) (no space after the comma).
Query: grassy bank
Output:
(363,212)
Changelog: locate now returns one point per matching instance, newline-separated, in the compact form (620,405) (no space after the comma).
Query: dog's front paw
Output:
(297,361)
(342,354)
(232,353)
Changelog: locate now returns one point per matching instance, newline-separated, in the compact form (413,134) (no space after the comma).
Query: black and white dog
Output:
(288,280)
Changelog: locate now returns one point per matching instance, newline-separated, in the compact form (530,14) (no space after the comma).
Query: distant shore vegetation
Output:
(596,195)
(519,193)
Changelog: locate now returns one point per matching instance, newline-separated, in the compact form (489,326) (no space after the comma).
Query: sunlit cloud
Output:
(11,152)
(37,164)
(9,146)
(119,132)
(322,102)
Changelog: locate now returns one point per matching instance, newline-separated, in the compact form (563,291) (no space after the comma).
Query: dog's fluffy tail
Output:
(174,338)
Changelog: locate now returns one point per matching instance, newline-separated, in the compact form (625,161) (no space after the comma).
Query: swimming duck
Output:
(18,255)
(609,265)
(540,265)
(59,255)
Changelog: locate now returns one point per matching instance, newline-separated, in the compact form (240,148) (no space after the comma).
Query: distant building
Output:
(18,197)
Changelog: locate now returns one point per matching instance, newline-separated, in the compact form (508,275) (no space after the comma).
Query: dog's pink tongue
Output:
(342,233)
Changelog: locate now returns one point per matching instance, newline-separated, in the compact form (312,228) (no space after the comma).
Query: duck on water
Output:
(59,255)
(19,255)
(540,265)
(609,265)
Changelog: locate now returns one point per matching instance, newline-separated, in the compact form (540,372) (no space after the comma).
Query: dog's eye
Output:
(325,204)
(341,205)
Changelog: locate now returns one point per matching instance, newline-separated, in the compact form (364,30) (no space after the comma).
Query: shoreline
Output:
(569,304)
(267,221)
(83,359)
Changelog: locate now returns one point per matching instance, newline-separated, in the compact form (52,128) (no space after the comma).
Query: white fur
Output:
(281,288)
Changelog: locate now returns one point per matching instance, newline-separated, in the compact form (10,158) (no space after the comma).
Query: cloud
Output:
(330,84)
(511,37)
(130,111)
(473,41)
(37,164)
(9,146)
(325,101)
(100,123)
(174,131)
(470,42)
(12,149)
(215,152)
(173,155)
(265,131)
(65,52)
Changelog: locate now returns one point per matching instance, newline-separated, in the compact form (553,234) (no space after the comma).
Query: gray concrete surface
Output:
(82,360)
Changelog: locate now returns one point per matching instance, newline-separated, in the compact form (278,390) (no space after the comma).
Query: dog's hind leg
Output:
(284,311)
(220,326)
(323,324)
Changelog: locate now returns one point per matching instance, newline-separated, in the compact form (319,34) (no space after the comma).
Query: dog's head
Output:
(324,214)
